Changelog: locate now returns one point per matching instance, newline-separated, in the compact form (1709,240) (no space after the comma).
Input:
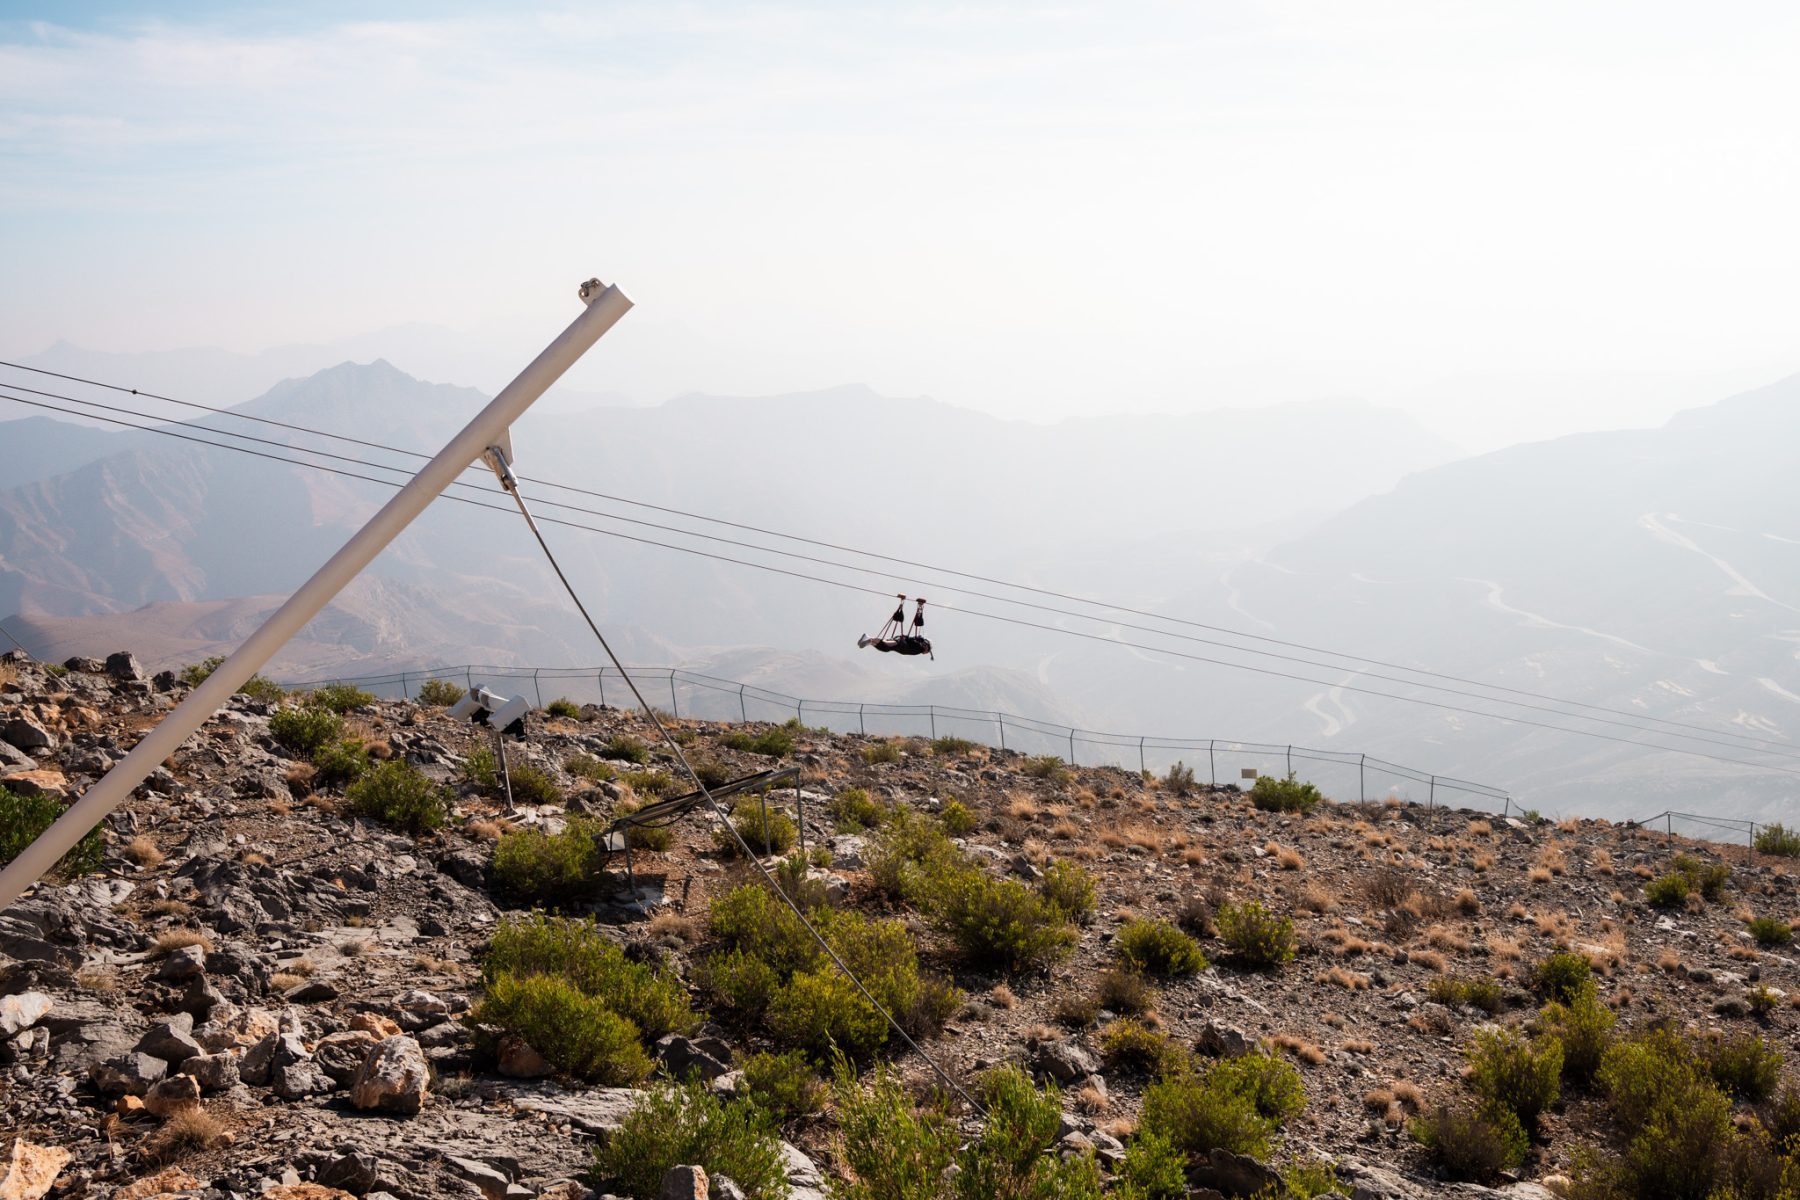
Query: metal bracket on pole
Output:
(604,306)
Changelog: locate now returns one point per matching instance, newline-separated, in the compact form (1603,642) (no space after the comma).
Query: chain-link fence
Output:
(1341,775)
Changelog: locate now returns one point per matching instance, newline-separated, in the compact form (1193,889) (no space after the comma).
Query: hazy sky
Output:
(1515,219)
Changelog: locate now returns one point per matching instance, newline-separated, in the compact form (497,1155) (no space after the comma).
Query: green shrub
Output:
(1070,889)
(710,772)
(265,691)
(1707,878)
(1122,990)
(1667,891)
(1271,1083)
(650,784)
(784,1085)
(1771,931)
(1006,1159)
(909,855)
(534,786)
(644,837)
(1456,992)
(821,1011)
(1257,937)
(481,771)
(751,919)
(340,763)
(574,949)
(563,707)
(399,794)
(1559,976)
(739,982)
(675,1124)
(1746,1067)
(765,831)
(1762,999)
(1681,1151)
(439,693)
(894,1151)
(959,820)
(1180,779)
(549,868)
(855,811)
(1284,795)
(58,671)
(775,742)
(1152,1169)
(1516,1072)
(1584,1027)
(1639,1074)
(1158,948)
(195,674)
(586,766)
(881,752)
(576,1032)
(1473,1143)
(340,698)
(1047,767)
(1779,841)
(1198,1114)
(1000,922)
(22,818)
(303,730)
(949,745)
(625,748)
(1130,1045)
(1310,1180)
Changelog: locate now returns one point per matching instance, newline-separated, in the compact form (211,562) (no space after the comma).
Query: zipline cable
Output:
(1753,742)
(1755,745)
(838,583)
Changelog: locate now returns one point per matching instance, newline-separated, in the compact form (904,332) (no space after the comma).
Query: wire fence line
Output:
(1340,774)
(1705,827)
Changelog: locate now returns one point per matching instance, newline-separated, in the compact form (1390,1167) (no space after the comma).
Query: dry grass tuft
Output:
(1359,1046)
(673,925)
(1467,902)
(1003,997)
(171,940)
(1285,857)
(143,852)
(189,1131)
(1431,960)
(1299,1048)
(1353,980)
(1316,897)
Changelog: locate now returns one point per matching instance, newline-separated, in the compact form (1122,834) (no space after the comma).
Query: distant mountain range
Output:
(1653,571)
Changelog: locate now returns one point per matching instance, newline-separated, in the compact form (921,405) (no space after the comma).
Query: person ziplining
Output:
(894,637)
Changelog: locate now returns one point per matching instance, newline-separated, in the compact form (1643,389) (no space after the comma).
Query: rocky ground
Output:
(259,995)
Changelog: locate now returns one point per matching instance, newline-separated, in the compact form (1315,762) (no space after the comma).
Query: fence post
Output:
(800,711)
(743,710)
(536,687)
(674,706)
(1143,767)
(1362,783)
(469,674)
(1752,843)
(601,679)
(405,686)
(1072,748)
(862,726)
(1002,717)
(1212,765)
(1506,807)
(1431,795)
(1669,826)
(933,709)
(1290,760)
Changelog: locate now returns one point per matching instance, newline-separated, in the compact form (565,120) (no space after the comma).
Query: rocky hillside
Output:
(297,964)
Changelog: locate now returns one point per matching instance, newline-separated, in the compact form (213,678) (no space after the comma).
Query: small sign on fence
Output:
(1247,773)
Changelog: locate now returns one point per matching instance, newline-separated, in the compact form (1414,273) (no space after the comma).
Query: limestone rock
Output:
(32,1171)
(22,1011)
(213,1072)
(1065,1062)
(168,1181)
(25,733)
(341,1055)
(171,1040)
(169,1096)
(393,1078)
(128,1075)
(517,1060)
(684,1183)
(682,1056)
(1223,1041)
(375,1024)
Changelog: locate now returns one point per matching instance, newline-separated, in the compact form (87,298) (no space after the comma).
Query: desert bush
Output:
(1559,976)
(586,766)
(855,811)
(574,949)
(195,674)
(649,784)
(439,693)
(764,830)
(1474,1142)
(1122,990)
(1269,1082)
(1747,1067)
(894,1150)
(949,745)
(1778,840)
(1637,1074)
(625,748)
(1008,1160)
(1158,948)
(534,786)
(1284,795)
(547,868)
(784,1085)
(267,691)
(1217,1109)
(340,698)
(576,1032)
(821,1011)
(1771,931)
(1069,887)
(686,1124)
(909,855)
(774,742)
(1584,1027)
(340,763)
(1180,779)
(1257,937)
(22,818)
(1455,991)
(563,707)
(481,771)
(795,880)
(1678,1122)
(958,818)
(999,922)
(1667,891)
(1152,1169)
(1707,878)
(1047,767)
(1388,887)
(881,752)
(739,982)
(751,919)
(399,794)
(1517,1072)
(1130,1045)
(644,837)
(303,729)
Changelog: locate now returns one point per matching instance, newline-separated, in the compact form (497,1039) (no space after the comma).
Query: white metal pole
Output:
(605,305)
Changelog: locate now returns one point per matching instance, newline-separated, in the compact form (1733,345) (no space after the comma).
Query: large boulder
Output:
(1065,1062)
(22,1011)
(394,1078)
(169,1096)
(32,1171)
(171,1040)
(27,734)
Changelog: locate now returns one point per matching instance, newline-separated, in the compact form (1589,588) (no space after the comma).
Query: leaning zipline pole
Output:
(605,305)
